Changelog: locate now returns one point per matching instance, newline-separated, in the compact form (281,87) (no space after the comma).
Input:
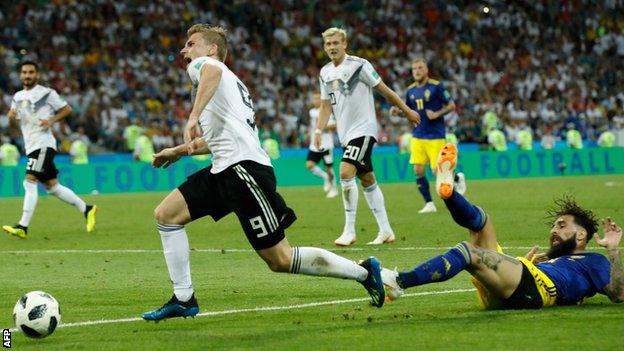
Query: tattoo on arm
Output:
(491,259)
(615,289)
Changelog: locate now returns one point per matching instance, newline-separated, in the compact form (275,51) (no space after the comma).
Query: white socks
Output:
(30,202)
(176,249)
(317,171)
(350,202)
(375,200)
(67,195)
(319,262)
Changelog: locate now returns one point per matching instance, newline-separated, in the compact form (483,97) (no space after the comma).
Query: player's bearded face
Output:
(559,248)
(29,76)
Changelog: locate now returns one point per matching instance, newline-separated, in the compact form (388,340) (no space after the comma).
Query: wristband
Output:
(318,131)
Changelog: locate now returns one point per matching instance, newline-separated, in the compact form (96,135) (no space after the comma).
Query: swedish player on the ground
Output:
(564,275)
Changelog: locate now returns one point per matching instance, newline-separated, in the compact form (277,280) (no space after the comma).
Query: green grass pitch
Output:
(118,272)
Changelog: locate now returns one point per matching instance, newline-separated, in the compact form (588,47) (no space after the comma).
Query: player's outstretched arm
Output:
(611,242)
(394,99)
(170,155)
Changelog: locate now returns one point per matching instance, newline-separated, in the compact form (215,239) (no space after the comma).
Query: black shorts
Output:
(41,164)
(247,189)
(327,156)
(358,153)
(526,295)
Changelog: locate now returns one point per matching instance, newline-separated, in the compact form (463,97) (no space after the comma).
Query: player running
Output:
(240,180)
(37,108)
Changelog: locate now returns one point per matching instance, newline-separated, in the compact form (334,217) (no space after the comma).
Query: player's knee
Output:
(279,264)
(345,174)
(163,215)
(471,250)
(310,165)
(419,170)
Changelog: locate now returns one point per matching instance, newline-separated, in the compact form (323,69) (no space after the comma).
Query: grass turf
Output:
(107,283)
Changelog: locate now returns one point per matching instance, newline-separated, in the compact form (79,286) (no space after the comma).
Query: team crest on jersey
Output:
(427,95)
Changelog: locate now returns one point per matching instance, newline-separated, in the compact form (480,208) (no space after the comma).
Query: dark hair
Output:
(33,63)
(582,217)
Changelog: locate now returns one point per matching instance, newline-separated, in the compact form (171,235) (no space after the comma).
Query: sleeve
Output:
(324,94)
(55,100)
(368,75)
(194,68)
(13,104)
(444,94)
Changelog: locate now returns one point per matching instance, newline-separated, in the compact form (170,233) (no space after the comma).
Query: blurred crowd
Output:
(542,65)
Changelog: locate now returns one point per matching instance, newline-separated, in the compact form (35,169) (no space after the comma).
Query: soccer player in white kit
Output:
(347,84)
(240,180)
(325,153)
(37,108)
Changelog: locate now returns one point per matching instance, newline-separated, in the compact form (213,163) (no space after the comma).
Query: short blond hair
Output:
(212,35)
(333,31)
(420,59)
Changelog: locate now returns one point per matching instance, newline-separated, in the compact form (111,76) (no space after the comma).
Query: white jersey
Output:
(349,87)
(32,106)
(228,121)
(327,138)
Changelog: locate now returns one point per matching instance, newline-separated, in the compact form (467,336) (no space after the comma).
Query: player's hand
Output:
(534,256)
(165,158)
(191,131)
(395,111)
(413,117)
(12,115)
(431,115)
(45,123)
(317,141)
(612,234)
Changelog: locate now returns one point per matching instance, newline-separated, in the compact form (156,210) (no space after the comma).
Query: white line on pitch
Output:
(259,309)
(355,249)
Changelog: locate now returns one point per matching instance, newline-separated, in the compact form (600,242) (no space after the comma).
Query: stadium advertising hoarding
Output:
(118,176)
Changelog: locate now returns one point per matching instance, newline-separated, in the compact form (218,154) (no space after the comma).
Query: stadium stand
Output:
(541,64)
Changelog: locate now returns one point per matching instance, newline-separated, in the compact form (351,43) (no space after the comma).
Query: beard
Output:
(565,247)
(29,83)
